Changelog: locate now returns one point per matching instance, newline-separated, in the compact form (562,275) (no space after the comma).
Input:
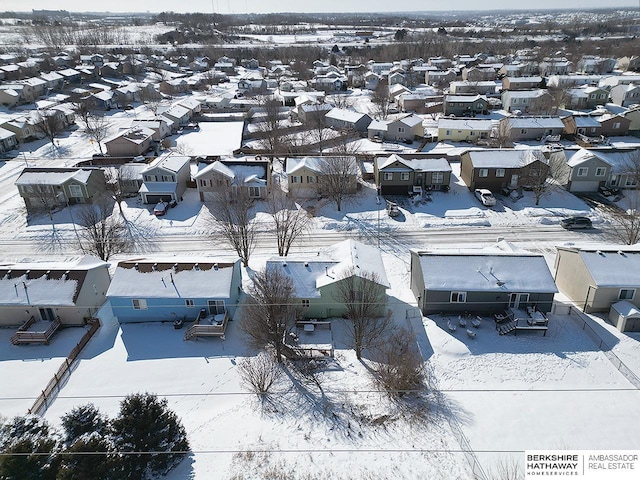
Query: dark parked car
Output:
(573,223)
(160,209)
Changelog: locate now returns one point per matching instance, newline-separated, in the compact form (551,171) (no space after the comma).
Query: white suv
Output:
(485,196)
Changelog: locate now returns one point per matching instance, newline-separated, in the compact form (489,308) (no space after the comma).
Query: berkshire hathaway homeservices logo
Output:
(583,464)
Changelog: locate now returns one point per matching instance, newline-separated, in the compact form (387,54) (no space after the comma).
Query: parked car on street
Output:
(160,209)
(574,223)
(485,196)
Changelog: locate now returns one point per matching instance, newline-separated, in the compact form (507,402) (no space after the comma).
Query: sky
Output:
(262,6)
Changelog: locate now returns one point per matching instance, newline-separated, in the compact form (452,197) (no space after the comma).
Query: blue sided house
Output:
(167,289)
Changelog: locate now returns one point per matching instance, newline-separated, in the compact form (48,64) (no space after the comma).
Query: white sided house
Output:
(165,179)
(71,292)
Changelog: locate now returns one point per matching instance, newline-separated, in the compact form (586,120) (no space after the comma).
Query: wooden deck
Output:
(209,326)
(23,335)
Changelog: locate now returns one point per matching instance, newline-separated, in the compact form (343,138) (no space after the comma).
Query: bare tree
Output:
(534,173)
(271,123)
(49,124)
(347,144)
(625,222)
(506,469)
(289,219)
(45,199)
(501,135)
(340,101)
(232,219)
(338,178)
(259,373)
(97,127)
(102,234)
(150,98)
(317,123)
(269,311)
(381,99)
(365,303)
(116,179)
(555,99)
(83,107)
(400,367)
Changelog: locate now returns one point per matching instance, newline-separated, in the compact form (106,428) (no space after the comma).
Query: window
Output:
(254,192)
(404,176)
(616,125)
(448,132)
(614,180)
(168,178)
(626,293)
(388,176)
(483,172)
(189,303)
(583,171)
(523,131)
(75,190)
(437,177)
(216,307)
(312,179)
(630,182)
(458,297)
(600,171)
(203,183)
(295,179)
(305,303)
(500,172)
(139,304)
(400,129)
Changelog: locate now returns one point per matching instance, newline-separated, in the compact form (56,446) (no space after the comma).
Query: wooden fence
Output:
(53,387)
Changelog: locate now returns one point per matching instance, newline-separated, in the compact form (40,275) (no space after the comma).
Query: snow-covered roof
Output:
(613,267)
(504,158)
(466,124)
(464,98)
(53,176)
(474,270)
(169,162)
(621,161)
(416,164)
(310,273)
(626,309)
(44,283)
(345,115)
(536,122)
(168,277)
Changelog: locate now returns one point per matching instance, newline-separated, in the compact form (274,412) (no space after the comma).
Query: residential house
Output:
(403,175)
(533,128)
(571,81)
(318,278)
(612,125)
(470,87)
(250,173)
(70,75)
(439,77)
(582,126)
(104,100)
(130,178)
(70,292)
(417,102)
(520,69)
(304,175)
(23,128)
(499,169)
(159,125)
(175,86)
(252,85)
(476,74)
(165,179)
(331,82)
(588,171)
(465,129)
(177,113)
(8,140)
(555,66)
(481,281)
(406,128)
(521,83)
(130,143)
(310,113)
(525,101)
(586,97)
(342,119)
(626,95)
(173,289)
(48,188)
(596,277)
(9,97)
(590,64)
(54,81)
(465,105)
(620,167)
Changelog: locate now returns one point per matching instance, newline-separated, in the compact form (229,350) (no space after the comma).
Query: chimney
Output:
(175,267)
(155,267)
(136,266)
(196,267)
(215,266)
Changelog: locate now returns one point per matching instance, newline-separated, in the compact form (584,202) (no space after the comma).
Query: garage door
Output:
(158,198)
(394,189)
(632,325)
(584,186)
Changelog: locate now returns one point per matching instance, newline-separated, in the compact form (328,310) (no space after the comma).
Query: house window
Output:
(400,129)
(388,176)
(583,171)
(448,132)
(600,171)
(312,179)
(500,172)
(168,178)
(404,176)
(75,191)
(458,297)
(203,183)
(483,172)
(626,293)
(216,307)
(254,192)
(630,182)
(437,177)
(295,179)
(139,304)
(305,303)
(189,303)
(616,126)
(523,131)
(614,180)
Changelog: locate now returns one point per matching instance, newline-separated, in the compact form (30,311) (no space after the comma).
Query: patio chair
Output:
(471,333)
(462,322)
(476,322)
(450,326)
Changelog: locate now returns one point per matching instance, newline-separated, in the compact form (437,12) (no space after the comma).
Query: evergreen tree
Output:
(86,436)
(32,440)
(146,424)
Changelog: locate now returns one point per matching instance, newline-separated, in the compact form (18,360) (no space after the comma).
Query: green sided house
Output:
(316,278)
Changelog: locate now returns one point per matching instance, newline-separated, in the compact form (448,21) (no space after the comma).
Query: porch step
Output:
(507,328)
